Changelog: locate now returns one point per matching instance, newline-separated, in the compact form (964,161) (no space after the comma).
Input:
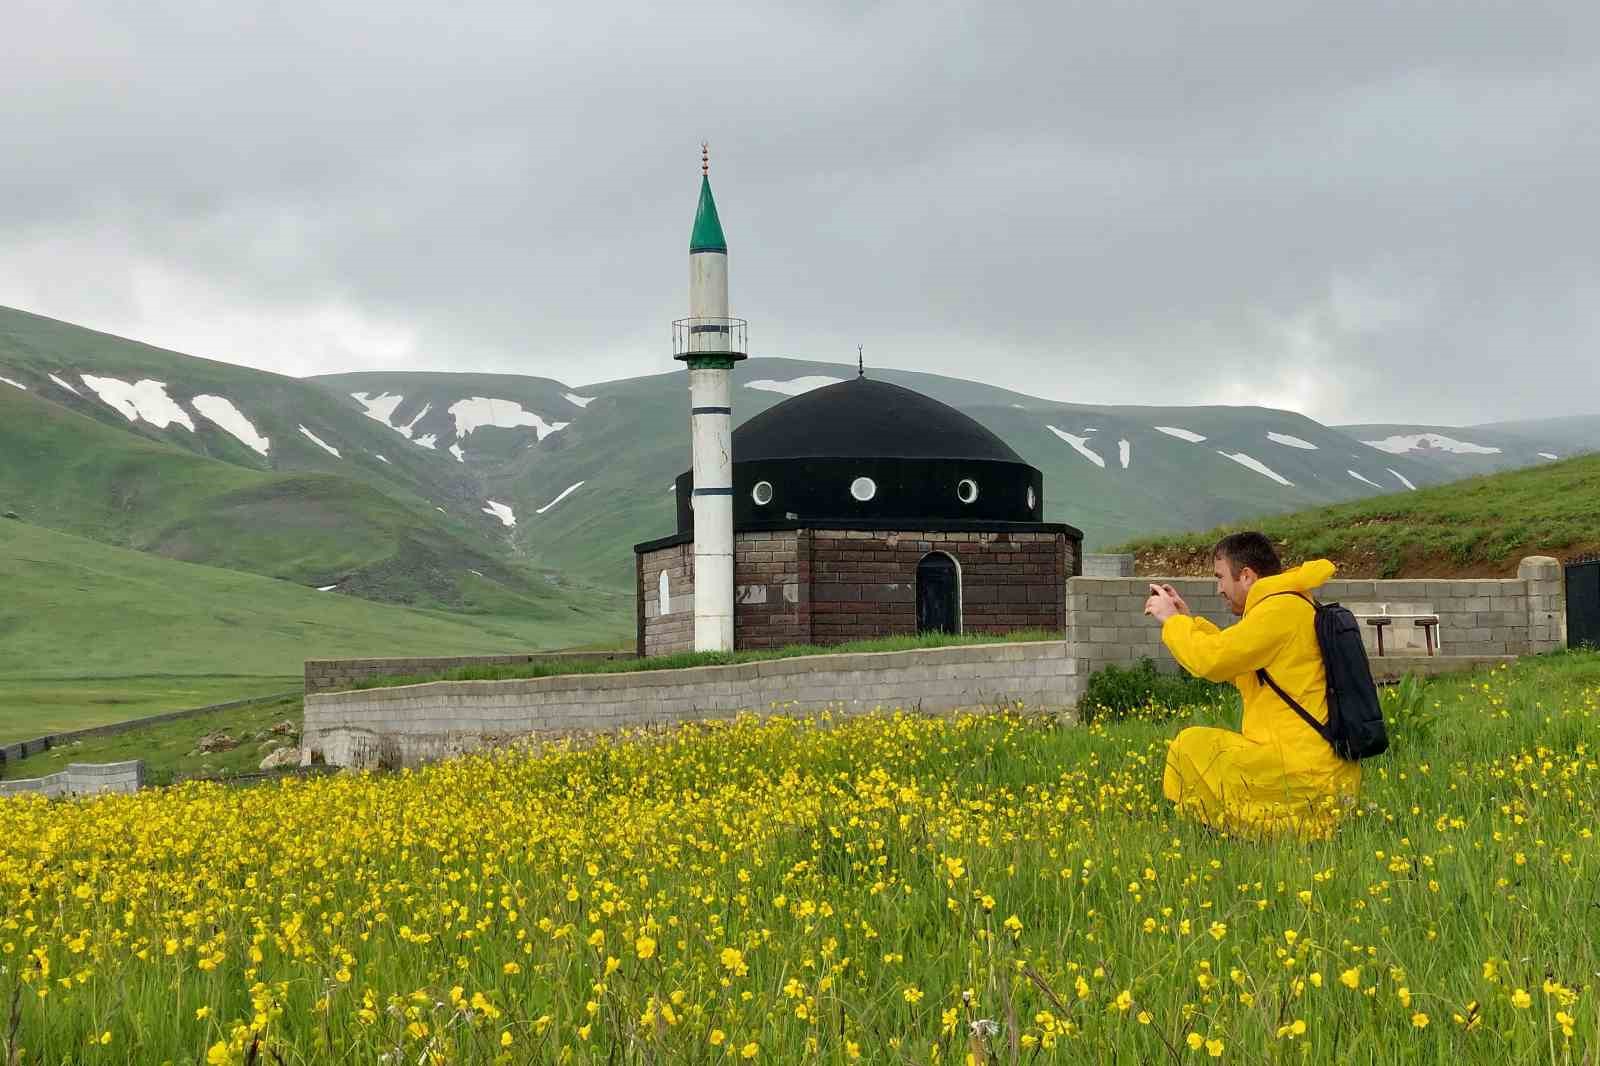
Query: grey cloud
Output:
(1370,211)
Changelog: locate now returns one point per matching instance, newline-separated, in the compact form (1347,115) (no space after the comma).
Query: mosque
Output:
(861,509)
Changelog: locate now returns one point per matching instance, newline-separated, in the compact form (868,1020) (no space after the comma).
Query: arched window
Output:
(938,594)
(664,594)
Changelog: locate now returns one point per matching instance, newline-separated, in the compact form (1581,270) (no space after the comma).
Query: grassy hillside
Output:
(65,470)
(80,616)
(630,440)
(1480,526)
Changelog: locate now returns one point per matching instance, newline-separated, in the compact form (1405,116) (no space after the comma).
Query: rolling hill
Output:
(79,616)
(1481,526)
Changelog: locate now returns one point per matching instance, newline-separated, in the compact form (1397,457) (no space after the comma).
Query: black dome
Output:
(864,418)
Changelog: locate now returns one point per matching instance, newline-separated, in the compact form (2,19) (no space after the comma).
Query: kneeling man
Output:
(1276,773)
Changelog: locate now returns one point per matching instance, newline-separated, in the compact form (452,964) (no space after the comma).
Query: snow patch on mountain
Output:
(1292,442)
(581,401)
(319,442)
(568,491)
(1542,455)
(1124,452)
(477,411)
(427,442)
(794,386)
(1079,445)
(1363,477)
(381,459)
(220,410)
(1401,443)
(15,384)
(507,516)
(66,385)
(381,408)
(1182,434)
(1257,465)
(326,588)
(410,427)
(142,400)
(1402,478)
(455,450)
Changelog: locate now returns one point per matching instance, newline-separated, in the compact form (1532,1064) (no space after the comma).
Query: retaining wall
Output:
(81,779)
(19,750)
(410,724)
(331,675)
(1477,617)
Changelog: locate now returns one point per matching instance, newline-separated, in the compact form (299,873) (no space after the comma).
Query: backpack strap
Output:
(1266,679)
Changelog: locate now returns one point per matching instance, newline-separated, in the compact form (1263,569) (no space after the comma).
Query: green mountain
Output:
(401,528)
(583,494)
(1481,525)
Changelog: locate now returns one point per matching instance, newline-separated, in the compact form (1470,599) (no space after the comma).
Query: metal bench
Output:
(1396,629)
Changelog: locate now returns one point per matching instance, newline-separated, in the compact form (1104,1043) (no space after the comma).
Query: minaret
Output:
(710,343)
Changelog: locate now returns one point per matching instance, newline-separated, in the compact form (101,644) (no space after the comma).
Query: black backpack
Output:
(1355,717)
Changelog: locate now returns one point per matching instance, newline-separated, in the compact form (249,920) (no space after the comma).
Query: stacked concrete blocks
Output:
(411,724)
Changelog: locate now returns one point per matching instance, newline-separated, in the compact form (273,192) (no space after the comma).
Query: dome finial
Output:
(705,159)
(861,363)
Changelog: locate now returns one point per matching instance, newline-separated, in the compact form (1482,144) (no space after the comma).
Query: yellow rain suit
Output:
(1276,773)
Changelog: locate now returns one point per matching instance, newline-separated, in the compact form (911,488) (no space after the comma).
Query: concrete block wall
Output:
(1107,565)
(81,779)
(408,725)
(332,675)
(1477,617)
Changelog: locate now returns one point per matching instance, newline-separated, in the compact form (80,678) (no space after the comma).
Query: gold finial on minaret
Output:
(705,159)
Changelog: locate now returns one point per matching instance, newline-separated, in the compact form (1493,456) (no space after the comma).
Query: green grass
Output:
(1482,525)
(168,749)
(78,616)
(997,885)
(686,660)
(31,708)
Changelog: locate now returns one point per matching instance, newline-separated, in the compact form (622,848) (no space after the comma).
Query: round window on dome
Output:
(967,490)
(863,488)
(762,493)
(1033,501)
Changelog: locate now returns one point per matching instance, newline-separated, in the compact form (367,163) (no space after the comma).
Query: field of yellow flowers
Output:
(986,888)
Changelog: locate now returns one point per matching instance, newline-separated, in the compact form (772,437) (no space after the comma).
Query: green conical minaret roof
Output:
(707,235)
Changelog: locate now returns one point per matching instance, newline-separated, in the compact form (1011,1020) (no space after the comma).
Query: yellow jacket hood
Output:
(1305,578)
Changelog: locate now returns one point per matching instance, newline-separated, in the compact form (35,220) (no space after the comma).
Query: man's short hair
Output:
(1250,549)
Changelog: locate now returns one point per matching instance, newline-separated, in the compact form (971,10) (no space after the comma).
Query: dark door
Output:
(1583,603)
(938,595)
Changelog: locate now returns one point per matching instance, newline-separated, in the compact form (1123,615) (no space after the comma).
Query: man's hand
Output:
(1163,603)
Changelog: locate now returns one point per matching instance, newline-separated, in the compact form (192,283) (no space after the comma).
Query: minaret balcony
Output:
(695,337)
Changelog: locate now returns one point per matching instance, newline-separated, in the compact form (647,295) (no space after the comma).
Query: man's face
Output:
(1234,588)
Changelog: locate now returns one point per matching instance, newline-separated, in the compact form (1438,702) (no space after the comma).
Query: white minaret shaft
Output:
(710,357)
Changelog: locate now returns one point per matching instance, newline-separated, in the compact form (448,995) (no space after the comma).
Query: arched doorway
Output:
(938,594)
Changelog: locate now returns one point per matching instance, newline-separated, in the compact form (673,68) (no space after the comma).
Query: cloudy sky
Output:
(1365,210)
